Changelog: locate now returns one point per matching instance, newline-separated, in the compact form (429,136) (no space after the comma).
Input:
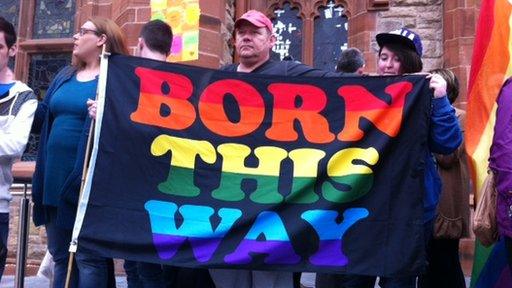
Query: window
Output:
(313,32)
(43,68)
(9,9)
(331,30)
(45,28)
(288,30)
(54,19)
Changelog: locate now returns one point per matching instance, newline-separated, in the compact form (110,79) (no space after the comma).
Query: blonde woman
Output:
(62,117)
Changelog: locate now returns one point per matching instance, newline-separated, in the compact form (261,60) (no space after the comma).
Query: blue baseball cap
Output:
(402,36)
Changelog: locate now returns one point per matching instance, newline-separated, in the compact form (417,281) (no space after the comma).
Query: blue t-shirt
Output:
(4,89)
(68,109)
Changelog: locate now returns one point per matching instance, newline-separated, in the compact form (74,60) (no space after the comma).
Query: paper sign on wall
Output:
(183,16)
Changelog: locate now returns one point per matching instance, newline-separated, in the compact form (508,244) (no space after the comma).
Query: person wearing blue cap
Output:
(404,37)
(400,53)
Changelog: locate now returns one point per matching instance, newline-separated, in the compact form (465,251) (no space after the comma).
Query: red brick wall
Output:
(130,15)
(460,20)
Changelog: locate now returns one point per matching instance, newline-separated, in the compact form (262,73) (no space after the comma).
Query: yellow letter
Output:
(183,156)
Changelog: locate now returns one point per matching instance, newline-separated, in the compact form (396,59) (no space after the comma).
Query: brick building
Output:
(45,29)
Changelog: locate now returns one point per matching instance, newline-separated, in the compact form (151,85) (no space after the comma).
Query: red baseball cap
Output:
(257,19)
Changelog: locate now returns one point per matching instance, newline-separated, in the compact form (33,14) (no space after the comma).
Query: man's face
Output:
(5,52)
(253,43)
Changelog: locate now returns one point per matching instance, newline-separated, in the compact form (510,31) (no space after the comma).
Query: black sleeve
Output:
(229,67)
(299,69)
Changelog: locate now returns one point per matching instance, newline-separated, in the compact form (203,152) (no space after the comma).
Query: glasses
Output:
(84,31)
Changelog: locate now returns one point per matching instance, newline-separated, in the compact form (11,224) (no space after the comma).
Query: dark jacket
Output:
(287,68)
(43,122)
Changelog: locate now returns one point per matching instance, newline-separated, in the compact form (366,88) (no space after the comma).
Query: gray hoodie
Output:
(16,115)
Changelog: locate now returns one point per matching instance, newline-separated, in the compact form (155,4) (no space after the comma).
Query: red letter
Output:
(314,125)
(153,94)
(211,108)
(359,103)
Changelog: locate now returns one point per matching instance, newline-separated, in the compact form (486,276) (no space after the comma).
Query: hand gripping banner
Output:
(203,168)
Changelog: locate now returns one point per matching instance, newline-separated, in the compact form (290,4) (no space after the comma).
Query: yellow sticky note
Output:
(159,14)
(158,5)
(175,18)
(192,13)
(190,46)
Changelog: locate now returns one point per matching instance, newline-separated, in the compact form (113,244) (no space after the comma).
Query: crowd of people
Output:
(64,117)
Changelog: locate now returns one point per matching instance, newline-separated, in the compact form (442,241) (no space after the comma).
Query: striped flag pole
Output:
(490,67)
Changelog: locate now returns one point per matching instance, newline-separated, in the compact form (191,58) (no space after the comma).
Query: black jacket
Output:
(286,68)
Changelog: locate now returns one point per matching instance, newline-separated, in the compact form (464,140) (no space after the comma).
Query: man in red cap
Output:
(254,39)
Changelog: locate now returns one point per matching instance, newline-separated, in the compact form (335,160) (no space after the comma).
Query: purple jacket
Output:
(501,158)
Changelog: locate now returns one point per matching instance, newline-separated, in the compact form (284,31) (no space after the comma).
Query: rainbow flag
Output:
(490,67)
(495,273)
(195,167)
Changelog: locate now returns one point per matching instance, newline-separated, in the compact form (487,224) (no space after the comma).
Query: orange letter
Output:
(249,101)
(161,90)
(313,100)
(360,103)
